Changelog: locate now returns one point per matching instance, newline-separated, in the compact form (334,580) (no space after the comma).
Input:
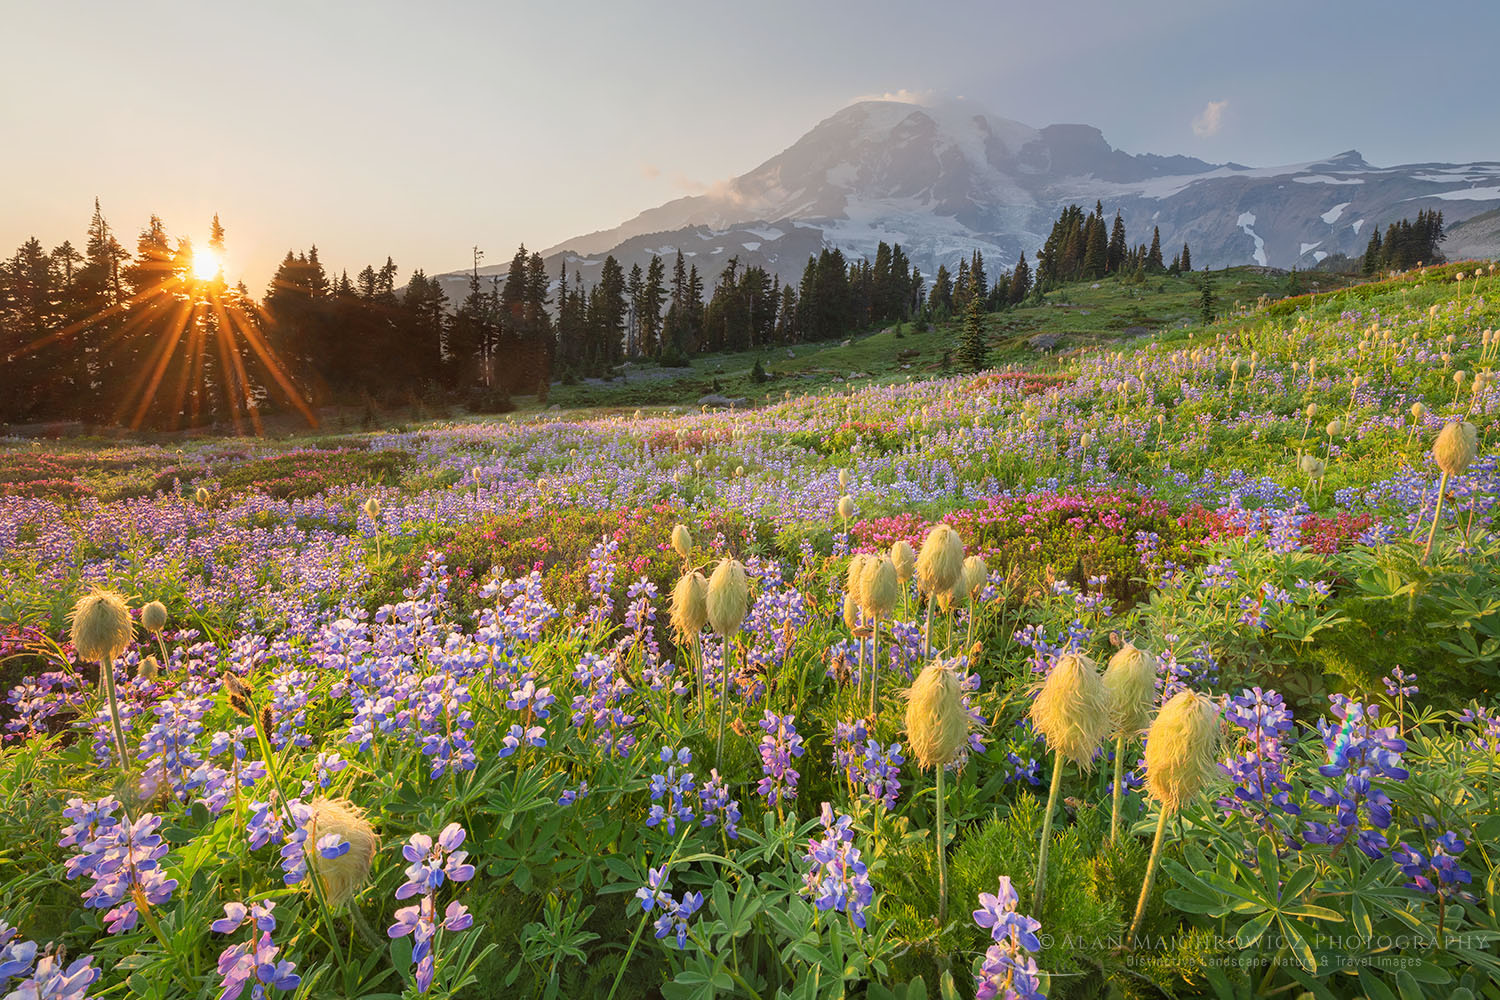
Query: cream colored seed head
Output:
(1072,709)
(1130,682)
(1456,445)
(880,586)
(342,877)
(905,558)
(1182,749)
(682,540)
(941,560)
(101,626)
(154,616)
(690,604)
(728,597)
(937,727)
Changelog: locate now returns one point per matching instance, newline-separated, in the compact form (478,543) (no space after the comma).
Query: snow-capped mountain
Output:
(945,179)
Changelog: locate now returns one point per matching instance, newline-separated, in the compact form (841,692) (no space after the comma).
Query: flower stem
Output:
(1442,488)
(1041,857)
(942,858)
(107,673)
(723,705)
(1140,906)
(1114,815)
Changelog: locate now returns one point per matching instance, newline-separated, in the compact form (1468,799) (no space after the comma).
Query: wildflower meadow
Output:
(1166,669)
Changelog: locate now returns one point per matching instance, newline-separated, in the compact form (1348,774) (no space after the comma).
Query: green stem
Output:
(1041,857)
(1114,815)
(1140,906)
(927,632)
(942,858)
(723,706)
(875,669)
(1442,488)
(273,768)
(107,673)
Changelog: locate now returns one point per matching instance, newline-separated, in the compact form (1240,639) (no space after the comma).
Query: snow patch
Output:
(1245,221)
(1332,215)
(1320,255)
(751,245)
(1357,224)
(1309,246)
(1325,179)
(1466,194)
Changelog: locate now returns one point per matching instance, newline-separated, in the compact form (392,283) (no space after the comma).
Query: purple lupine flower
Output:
(718,807)
(1438,873)
(50,980)
(1361,754)
(431,865)
(1009,971)
(1257,768)
(676,787)
(123,858)
(254,962)
(672,914)
(16,957)
(836,878)
(778,747)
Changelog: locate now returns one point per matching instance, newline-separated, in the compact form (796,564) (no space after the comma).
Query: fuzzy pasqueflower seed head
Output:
(1418,410)
(1311,411)
(682,540)
(937,727)
(845,507)
(905,558)
(1182,749)
(154,616)
(101,626)
(149,668)
(345,875)
(728,597)
(941,561)
(851,612)
(690,604)
(1456,445)
(202,495)
(1130,682)
(854,576)
(1312,465)
(1335,428)
(1072,709)
(975,573)
(372,508)
(879,586)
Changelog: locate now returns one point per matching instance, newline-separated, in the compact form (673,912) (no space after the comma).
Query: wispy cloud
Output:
(903,96)
(1210,119)
(650,171)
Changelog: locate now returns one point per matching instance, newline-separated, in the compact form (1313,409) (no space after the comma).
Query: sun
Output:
(207,264)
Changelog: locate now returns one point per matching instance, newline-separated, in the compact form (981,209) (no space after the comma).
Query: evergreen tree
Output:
(940,299)
(1114,257)
(1187,258)
(1020,281)
(653,295)
(972,349)
(1372,252)
(1154,262)
(1206,298)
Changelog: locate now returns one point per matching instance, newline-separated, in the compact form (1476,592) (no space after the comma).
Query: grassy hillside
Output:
(1073,316)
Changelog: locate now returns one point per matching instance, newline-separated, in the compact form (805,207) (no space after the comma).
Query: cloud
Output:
(903,96)
(650,171)
(1210,119)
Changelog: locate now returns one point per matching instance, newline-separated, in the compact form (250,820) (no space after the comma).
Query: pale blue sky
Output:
(417,129)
